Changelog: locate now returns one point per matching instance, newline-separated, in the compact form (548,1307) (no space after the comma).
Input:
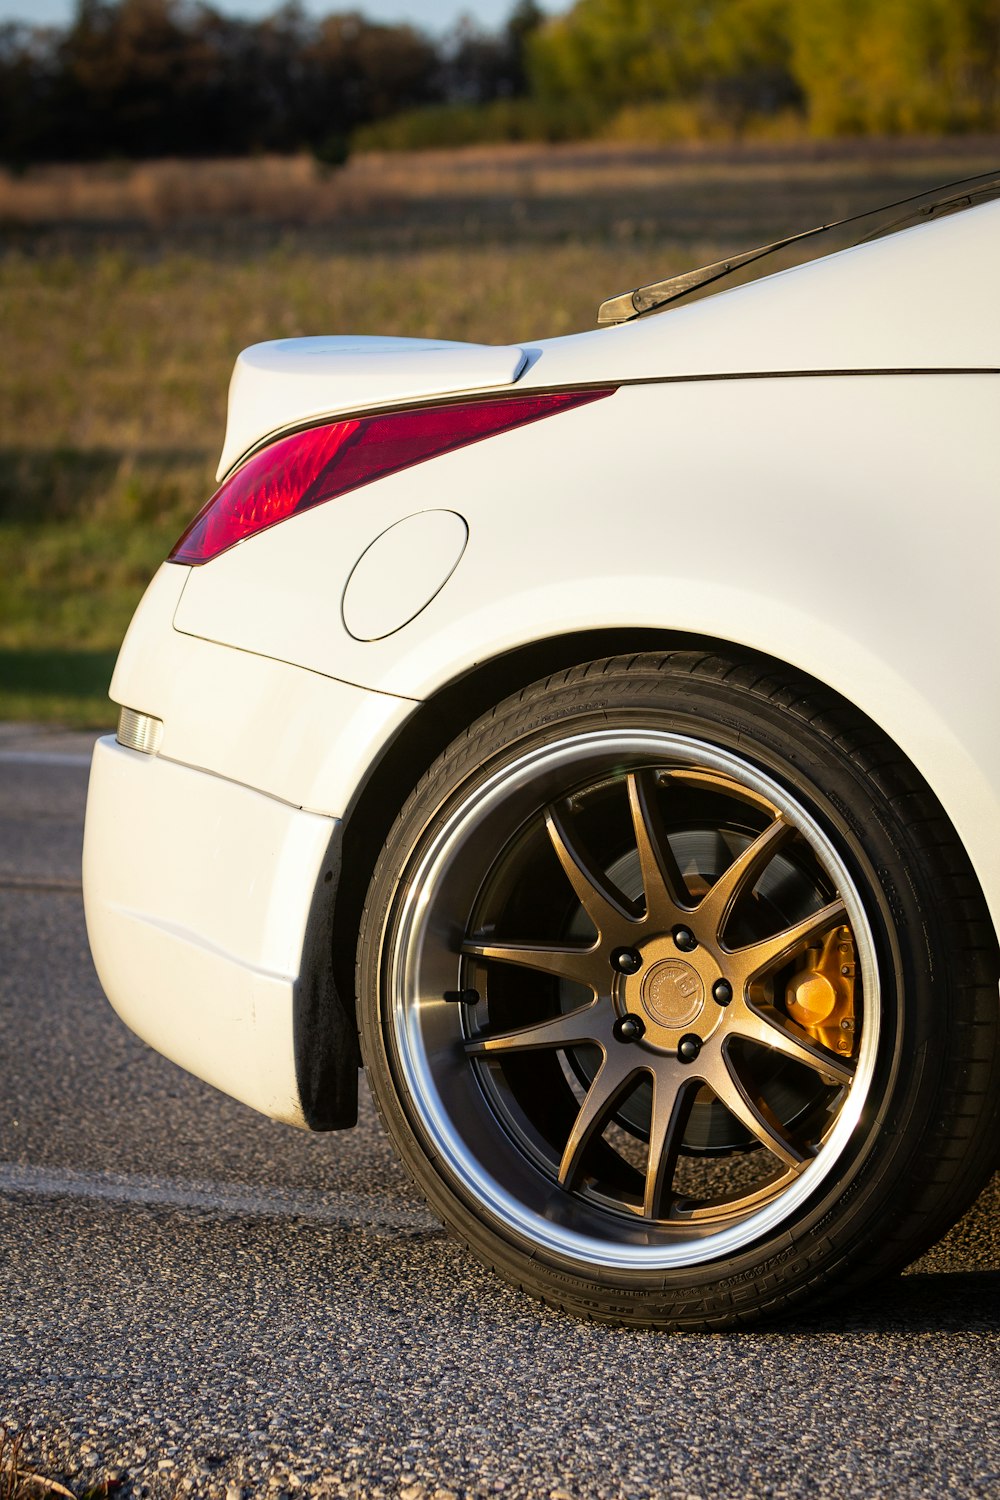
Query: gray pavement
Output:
(202,1302)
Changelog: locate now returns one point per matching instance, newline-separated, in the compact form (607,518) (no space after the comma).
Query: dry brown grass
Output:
(377,189)
(19,1482)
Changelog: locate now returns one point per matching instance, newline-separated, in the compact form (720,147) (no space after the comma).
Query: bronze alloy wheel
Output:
(632,1010)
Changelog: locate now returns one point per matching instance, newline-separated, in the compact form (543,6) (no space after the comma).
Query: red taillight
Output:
(298,472)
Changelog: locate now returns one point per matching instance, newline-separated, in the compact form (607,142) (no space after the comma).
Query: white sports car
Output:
(603,733)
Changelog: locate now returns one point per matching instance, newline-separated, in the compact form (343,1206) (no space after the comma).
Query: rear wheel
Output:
(646,1000)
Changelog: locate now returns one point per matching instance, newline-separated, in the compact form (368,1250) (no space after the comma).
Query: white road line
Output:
(360,1211)
(38,882)
(43,758)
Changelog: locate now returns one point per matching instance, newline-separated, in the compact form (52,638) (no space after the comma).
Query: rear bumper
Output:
(204,901)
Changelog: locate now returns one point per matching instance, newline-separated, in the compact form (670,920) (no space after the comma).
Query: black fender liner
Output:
(327,1056)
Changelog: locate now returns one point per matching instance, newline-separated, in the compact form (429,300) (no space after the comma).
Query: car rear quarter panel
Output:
(847,525)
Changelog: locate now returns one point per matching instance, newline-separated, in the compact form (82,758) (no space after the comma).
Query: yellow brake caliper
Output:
(820,995)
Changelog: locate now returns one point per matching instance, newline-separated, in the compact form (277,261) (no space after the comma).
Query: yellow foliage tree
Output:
(852,66)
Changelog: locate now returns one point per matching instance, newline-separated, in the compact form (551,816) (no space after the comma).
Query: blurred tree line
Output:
(144,78)
(135,78)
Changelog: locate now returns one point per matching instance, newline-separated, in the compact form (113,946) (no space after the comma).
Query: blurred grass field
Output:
(127,291)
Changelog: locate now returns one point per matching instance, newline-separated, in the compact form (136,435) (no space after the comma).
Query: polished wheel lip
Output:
(567,760)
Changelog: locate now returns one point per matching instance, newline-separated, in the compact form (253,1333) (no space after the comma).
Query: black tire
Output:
(752,1053)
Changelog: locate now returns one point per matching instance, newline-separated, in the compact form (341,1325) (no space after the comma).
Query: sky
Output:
(429,15)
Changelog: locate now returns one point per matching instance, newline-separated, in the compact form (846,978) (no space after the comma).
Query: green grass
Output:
(62,685)
(119,332)
(81,534)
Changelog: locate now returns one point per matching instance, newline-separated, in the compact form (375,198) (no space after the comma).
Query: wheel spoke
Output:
(672,1106)
(782,1034)
(606,907)
(756,958)
(610,1082)
(716,908)
(755,1116)
(574,1028)
(570,962)
(663,885)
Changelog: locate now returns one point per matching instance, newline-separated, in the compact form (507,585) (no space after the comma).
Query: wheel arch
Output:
(458,703)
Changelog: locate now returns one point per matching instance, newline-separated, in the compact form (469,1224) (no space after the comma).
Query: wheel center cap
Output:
(672,993)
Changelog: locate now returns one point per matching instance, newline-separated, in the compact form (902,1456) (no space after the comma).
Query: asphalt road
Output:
(200,1301)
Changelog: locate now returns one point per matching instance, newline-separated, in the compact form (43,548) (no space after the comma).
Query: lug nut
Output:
(688,1047)
(685,939)
(722,992)
(626,960)
(630,1028)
